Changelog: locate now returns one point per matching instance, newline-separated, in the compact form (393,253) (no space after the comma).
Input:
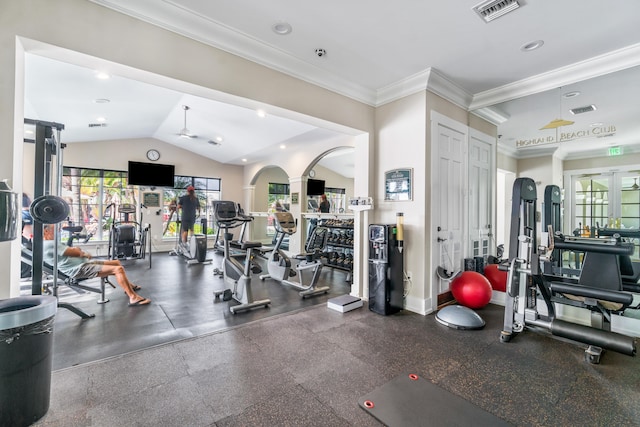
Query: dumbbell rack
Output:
(338,252)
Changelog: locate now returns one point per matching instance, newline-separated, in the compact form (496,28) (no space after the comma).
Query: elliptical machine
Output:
(279,264)
(236,275)
(195,251)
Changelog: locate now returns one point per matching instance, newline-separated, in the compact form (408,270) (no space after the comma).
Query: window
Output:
(337,197)
(278,196)
(95,195)
(207,191)
(278,199)
(610,199)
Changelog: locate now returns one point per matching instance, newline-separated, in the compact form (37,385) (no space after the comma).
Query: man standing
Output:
(190,205)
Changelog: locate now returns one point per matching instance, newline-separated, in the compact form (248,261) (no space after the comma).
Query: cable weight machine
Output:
(47,207)
(531,295)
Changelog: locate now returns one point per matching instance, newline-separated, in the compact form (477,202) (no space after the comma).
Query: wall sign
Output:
(151,199)
(398,184)
(294,198)
(567,135)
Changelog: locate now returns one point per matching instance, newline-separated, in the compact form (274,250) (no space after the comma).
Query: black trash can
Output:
(26,341)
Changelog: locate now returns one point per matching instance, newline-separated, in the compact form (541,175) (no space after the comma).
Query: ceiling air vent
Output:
(492,9)
(97,125)
(581,110)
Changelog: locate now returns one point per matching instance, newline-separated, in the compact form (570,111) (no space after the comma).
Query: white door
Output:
(481,177)
(449,142)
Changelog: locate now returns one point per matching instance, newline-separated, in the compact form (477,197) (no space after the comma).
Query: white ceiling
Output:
(376,51)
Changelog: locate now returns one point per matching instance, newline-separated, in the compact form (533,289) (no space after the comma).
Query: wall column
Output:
(298,185)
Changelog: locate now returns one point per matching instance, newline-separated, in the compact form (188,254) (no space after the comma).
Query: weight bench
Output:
(75,284)
(599,287)
(629,270)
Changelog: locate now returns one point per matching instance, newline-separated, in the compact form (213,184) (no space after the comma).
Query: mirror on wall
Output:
(271,194)
(336,170)
(592,118)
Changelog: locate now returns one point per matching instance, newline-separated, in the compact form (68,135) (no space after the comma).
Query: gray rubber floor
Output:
(186,361)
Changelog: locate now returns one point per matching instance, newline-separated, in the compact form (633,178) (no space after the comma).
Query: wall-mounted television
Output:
(315,187)
(151,174)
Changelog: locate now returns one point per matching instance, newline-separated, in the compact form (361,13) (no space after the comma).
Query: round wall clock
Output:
(312,173)
(153,155)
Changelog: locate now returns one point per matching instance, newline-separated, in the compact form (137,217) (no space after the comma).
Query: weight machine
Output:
(532,291)
(47,208)
(128,238)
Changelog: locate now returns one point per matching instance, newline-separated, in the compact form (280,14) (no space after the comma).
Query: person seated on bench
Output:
(77,264)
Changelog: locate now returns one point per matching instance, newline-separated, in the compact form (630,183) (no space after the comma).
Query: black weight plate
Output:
(49,209)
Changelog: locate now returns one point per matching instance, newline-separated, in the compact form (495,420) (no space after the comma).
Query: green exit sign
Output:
(615,151)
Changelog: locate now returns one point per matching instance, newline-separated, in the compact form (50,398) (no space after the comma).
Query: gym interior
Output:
(513,299)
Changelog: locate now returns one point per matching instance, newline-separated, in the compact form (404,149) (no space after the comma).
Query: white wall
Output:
(603,162)
(296,166)
(81,32)
(401,143)
(84,33)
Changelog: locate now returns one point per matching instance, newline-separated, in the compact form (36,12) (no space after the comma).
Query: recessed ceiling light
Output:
(596,124)
(101,119)
(528,47)
(282,146)
(571,94)
(219,138)
(102,75)
(244,160)
(281,28)
(261,113)
(101,101)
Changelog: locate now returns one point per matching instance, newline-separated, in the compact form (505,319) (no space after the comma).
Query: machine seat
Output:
(629,271)
(248,245)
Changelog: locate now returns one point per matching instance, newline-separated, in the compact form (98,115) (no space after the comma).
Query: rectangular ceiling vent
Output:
(97,125)
(492,9)
(581,110)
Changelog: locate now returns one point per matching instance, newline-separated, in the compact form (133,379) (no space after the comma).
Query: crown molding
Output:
(197,27)
(430,79)
(593,67)
(172,17)
(492,114)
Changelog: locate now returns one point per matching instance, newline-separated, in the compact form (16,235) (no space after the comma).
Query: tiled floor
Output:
(183,306)
(187,361)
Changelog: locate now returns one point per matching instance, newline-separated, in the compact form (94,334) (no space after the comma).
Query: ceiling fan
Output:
(184,132)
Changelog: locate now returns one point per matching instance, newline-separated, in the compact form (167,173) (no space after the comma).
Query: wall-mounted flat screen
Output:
(151,174)
(315,187)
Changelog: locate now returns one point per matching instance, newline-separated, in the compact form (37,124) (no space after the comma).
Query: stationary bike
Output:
(279,264)
(236,275)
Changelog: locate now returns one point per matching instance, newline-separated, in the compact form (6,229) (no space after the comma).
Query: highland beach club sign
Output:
(564,136)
